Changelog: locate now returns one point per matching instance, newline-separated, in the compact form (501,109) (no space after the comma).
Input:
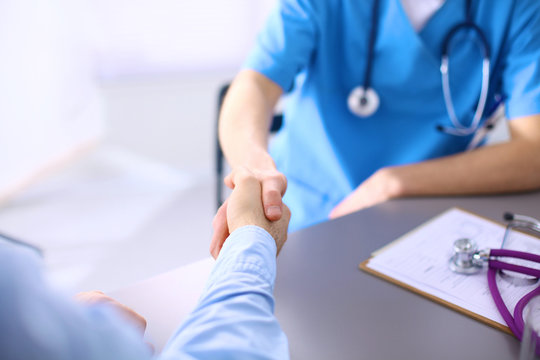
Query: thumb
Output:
(229,180)
(273,189)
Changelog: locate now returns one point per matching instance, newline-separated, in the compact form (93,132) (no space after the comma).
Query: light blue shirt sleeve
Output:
(234,318)
(521,74)
(39,323)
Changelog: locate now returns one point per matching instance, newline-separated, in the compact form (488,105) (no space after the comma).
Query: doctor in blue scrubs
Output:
(328,160)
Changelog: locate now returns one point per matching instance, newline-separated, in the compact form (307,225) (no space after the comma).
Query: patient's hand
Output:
(244,207)
(97,297)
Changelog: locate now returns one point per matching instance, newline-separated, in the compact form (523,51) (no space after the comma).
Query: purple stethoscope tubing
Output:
(512,267)
(515,323)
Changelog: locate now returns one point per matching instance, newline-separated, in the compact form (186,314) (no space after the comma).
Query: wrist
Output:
(259,159)
(248,220)
(248,235)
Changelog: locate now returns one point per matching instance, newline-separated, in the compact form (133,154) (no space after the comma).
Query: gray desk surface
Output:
(331,310)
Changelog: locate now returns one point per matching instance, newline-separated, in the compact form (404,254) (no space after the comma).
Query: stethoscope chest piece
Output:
(363,102)
(464,260)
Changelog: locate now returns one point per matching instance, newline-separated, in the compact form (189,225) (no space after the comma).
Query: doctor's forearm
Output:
(509,167)
(245,120)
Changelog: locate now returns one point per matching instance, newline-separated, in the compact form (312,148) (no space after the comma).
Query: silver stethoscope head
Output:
(467,259)
(363,102)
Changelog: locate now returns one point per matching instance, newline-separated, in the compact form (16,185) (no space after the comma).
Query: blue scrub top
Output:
(319,49)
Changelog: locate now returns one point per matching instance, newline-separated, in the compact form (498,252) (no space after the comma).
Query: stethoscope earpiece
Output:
(363,102)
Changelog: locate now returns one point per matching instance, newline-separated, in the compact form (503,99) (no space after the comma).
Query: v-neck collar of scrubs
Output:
(430,37)
(420,11)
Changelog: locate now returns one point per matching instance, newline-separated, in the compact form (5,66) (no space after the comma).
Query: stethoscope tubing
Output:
(470,261)
(459,129)
(500,265)
(520,306)
(363,100)
(515,254)
(515,323)
(371,45)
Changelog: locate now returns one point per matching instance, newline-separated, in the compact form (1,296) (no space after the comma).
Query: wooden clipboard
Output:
(364,267)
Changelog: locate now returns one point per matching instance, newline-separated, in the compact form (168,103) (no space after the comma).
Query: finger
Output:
(221,230)
(240,172)
(246,197)
(98,297)
(282,234)
(229,180)
(137,320)
(90,297)
(272,192)
(151,347)
(341,209)
(286,213)
(354,202)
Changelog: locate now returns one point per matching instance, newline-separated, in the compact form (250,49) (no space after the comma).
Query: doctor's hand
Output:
(273,184)
(244,207)
(383,185)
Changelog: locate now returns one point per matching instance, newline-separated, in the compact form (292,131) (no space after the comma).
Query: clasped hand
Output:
(380,187)
(245,207)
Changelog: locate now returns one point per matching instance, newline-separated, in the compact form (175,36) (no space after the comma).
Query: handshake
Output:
(245,207)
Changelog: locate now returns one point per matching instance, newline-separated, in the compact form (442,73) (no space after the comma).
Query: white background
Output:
(155,68)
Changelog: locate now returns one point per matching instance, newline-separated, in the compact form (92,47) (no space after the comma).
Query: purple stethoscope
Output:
(467,259)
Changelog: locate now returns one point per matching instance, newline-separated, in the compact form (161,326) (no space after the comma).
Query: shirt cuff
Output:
(249,249)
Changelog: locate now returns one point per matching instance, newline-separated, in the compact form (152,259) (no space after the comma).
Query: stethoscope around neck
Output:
(364,101)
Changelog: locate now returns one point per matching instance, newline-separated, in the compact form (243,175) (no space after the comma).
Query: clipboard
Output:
(485,320)
(364,267)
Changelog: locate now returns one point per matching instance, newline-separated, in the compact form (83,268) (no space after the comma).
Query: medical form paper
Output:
(419,261)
